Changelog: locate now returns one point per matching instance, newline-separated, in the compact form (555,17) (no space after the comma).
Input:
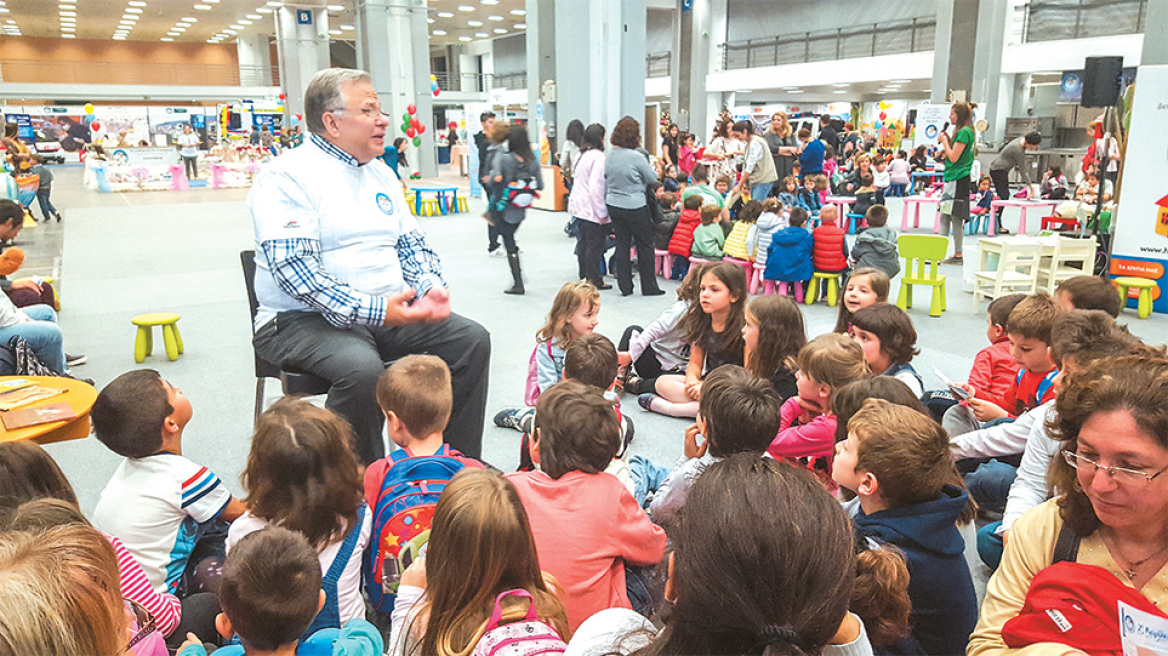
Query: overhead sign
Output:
(304,16)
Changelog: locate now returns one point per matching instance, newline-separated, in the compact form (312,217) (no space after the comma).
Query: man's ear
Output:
(223,626)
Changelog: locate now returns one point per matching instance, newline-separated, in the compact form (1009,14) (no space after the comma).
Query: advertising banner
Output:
(1141,227)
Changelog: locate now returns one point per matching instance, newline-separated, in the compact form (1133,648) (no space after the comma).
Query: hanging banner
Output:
(930,120)
(1141,227)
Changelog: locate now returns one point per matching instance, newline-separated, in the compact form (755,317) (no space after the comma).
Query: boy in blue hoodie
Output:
(897,461)
(789,255)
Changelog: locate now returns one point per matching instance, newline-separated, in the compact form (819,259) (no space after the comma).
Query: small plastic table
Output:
(78,394)
(914,203)
(1022,205)
(842,203)
(445,205)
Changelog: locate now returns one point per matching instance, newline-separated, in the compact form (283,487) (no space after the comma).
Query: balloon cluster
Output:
(93,124)
(296,118)
(883,115)
(411,125)
(434,85)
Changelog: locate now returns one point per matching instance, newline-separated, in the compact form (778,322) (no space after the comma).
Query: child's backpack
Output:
(529,637)
(522,191)
(531,386)
(402,515)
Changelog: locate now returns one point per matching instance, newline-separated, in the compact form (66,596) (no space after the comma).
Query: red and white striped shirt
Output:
(166,608)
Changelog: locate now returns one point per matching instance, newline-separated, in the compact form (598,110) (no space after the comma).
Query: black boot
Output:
(516,275)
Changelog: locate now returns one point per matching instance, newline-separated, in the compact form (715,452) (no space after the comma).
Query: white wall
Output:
(763,19)
(1069,55)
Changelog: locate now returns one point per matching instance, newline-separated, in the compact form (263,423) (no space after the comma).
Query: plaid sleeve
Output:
(421,267)
(296,266)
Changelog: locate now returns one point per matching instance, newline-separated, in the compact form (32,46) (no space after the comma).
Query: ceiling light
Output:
(69,28)
(63,36)
(119,37)
(348,28)
(133,10)
(129,18)
(431,20)
(900,81)
(482,35)
(10,22)
(465,8)
(521,26)
(67,13)
(495,18)
(243,21)
(67,19)
(136,3)
(334,32)
(167,39)
(271,3)
(500,30)
(203,7)
(264,10)
(230,31)
(178,29)
(63,5)
(475,23)
(489,2)
(190,20)
(174,33)
(254,17)
(236,26)
(215,41)
(336,7)
(841,86)
(840,91)
(518,12)
(445,14)
(795,91)
(438,32)
(464,38)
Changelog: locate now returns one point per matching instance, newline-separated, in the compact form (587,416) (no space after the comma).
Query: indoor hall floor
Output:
(117,255)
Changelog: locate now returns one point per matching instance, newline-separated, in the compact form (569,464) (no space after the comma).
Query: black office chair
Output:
(294,383)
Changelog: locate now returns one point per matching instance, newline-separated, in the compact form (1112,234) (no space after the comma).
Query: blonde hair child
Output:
(866,286)
(807,428)
(481,546)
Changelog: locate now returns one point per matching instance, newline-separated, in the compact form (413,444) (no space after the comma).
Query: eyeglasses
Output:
(1120,474)
(144,622)
(367,112)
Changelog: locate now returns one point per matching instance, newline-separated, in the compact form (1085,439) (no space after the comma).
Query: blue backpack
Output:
(402,515)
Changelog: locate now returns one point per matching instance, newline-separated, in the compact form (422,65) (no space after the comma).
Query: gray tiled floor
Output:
(118,255)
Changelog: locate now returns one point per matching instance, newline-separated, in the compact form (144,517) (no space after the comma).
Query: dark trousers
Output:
(191,165)
(590,249)
(351,359)
(633,226)
(647,366)
(1001,180)
(47,208)
(506,230)
(26,297)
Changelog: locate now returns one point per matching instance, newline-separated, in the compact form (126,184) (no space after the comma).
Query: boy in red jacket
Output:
(830,254)
(682,240)
(994,369)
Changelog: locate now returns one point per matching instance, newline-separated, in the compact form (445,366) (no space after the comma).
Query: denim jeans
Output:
(42,334)
(761,190)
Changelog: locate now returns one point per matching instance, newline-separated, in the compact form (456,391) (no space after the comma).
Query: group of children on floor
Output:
(447,556)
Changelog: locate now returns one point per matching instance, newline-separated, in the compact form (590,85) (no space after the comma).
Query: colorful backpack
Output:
(529,637)
(531,386)
(402,515)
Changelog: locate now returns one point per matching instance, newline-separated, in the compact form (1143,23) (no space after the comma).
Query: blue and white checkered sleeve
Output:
(421,266)
(296,266)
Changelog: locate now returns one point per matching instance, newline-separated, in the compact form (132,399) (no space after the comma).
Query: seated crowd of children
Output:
(818,506)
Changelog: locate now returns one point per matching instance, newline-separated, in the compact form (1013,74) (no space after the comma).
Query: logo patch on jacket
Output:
(385,204)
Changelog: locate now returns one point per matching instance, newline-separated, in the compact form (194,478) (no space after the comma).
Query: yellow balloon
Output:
(88,108)
(433,78)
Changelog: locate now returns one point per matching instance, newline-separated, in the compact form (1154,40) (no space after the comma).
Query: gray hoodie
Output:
(876,247)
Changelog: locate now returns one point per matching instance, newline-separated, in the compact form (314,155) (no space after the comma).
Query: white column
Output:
(394,44)
(991,90)
(255,61)
(303,49)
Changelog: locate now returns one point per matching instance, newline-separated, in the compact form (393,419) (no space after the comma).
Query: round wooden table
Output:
(80,396)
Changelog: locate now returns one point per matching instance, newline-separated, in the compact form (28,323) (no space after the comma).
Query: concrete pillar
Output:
(990,89)
(540,42)
(600,70)
(302,45)
(1155,50)
(255,61)
(954,50)
(682,66)
(394,46)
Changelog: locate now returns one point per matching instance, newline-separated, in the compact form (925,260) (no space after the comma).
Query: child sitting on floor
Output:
(789,255)
(888,339)
(661,347)
(1087,293)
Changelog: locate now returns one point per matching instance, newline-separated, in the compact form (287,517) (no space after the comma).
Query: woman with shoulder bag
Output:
(517,176)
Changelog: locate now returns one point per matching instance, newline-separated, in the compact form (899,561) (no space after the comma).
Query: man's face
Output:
(488,124)
(11,229)
(358,128)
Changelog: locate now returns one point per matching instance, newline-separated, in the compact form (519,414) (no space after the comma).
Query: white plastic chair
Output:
(1017,272)
(1068,252)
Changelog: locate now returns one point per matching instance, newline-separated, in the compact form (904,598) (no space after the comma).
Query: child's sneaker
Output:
(509,418)
(646,400)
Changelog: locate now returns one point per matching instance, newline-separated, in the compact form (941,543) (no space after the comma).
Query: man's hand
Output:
(26,283)
(986,410)
(692,448)
(415,574)
(399,312)
(435,304)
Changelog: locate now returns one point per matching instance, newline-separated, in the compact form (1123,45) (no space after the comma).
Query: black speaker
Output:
(1101,77)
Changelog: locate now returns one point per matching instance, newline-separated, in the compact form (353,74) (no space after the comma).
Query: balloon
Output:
(300,117)
(435,93)
(876,125)
(883,116)
(411,133)
(88,108)
(406,118)
(884,105)
(421,129)
(417,141)
(453,125)
(412,109)
(95,126)
(295,120)
(414,123)
(433,78)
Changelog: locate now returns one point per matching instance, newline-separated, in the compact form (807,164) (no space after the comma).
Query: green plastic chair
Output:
(922,254)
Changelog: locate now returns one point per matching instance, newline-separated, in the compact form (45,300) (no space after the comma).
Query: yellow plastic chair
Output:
(832,280)
(144,341)
(1144,304)
(922,254)
(462,205)
(430,207)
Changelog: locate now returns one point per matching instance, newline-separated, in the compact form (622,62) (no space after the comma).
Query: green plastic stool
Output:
(144,342)
(926,252)
(831,280)
(1144,304)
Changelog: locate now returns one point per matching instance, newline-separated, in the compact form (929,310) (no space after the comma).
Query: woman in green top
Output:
(958,151)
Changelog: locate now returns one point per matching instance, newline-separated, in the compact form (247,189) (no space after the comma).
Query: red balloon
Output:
(453,125)
(95,126)
(282,96)
(421,129)
(435,93)
(883,116)
(299,117)
(410,133)
(415,123)
(412,109)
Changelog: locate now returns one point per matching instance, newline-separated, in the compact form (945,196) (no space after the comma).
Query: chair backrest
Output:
(263,368)
(1020,256)
(1071,249)
(926,251)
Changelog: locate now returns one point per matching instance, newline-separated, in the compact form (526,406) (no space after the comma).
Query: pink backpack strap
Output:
(497,614)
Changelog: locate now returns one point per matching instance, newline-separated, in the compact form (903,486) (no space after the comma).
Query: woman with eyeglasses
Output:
(1112,513)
